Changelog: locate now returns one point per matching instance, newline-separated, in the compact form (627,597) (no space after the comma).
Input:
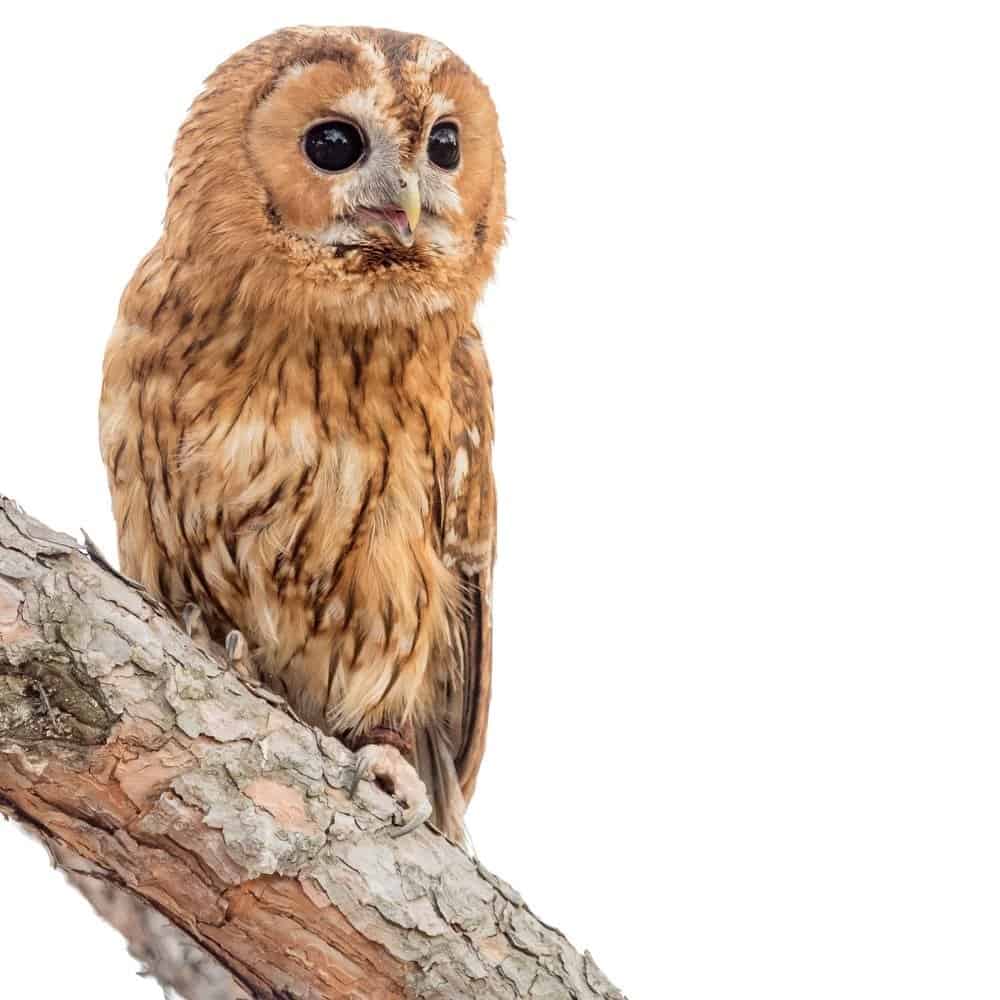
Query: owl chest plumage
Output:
(296,414)
(292,485)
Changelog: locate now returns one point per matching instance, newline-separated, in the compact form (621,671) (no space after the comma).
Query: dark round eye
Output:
(442,146)
(334,146)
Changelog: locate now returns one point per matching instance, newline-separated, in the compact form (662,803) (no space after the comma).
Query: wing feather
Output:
(449,746)
(470,546)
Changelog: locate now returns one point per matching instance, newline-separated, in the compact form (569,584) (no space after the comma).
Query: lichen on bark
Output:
(161,780)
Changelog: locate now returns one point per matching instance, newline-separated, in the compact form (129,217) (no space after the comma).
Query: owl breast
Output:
(291,488)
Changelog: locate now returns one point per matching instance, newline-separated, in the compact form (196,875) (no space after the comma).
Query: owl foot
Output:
(385,765)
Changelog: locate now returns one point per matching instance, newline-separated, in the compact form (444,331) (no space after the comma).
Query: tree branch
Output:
(160,779)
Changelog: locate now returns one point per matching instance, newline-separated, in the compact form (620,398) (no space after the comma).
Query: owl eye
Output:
(442,146)
(334,146)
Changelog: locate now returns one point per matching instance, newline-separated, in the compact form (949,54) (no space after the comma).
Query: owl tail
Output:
(436,767)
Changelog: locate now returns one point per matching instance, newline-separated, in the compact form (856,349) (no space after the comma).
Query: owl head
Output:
(348,170)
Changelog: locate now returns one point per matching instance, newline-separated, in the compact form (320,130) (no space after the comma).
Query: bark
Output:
(164,951)
(160,780)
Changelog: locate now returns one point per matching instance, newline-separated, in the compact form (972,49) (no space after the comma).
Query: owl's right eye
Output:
(334,146)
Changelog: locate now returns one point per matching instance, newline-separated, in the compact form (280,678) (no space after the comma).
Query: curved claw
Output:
(364,767)
(194,622)
(239,658)
(236,647)
(386,765)
(417,817)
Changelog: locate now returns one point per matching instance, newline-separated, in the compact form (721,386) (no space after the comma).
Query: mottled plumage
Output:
(296,415)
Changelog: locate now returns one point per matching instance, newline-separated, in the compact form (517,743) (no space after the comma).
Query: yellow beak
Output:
(409,201)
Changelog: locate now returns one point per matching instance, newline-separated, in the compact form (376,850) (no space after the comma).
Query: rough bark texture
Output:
(155,773)
(164,951)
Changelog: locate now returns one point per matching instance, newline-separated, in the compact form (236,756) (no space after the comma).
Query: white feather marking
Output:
(335,610)
(362,104)
(439,105)
(303,440)
(372,55)
(116,414)
(352,472)
(438,233)
(459,470)
(430,55)
(243,443)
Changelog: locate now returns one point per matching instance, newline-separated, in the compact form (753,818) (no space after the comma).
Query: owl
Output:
(296,412)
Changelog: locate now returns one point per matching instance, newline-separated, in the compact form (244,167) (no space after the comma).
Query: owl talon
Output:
(236,647)
(411,818)
(194,623)
(386,766)
(238,657)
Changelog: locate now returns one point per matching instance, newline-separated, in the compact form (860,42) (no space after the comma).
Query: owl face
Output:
(348,161)
(365,162)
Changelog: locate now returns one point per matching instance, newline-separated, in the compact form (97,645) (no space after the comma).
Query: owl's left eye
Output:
(334,146)
(442,146)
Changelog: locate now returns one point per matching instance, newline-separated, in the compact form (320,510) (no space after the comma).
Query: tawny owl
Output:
(296,415)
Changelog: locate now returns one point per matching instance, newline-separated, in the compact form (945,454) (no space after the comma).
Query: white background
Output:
(744,337)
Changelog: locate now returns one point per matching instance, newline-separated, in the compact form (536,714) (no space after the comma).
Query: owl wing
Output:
(449,745)
(469,548)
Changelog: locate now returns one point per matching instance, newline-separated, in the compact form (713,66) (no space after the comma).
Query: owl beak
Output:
(409,201)
(402,217)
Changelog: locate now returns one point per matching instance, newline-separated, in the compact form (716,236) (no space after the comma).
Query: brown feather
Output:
(298,432)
